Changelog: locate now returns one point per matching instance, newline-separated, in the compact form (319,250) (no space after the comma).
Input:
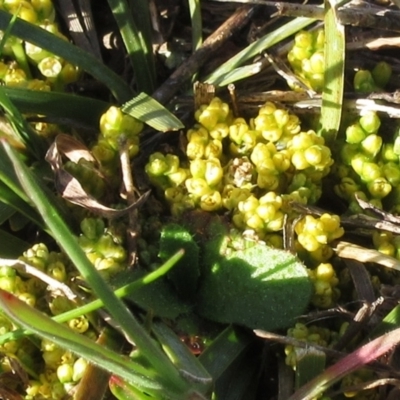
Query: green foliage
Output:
(186,273)
(240,287)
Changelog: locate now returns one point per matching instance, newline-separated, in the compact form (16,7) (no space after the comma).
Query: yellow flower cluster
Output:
(307,57)
(252,169)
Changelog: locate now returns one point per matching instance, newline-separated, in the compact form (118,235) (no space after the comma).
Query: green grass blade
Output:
(332,95)
(224,349)
(21,128)
(135,43)
(257,47)
(98,303)
(10,198)
(140,11)
(64,106)
(68,242)
(182,357)
(45,327)
(15,246)
(46,40)
(151,112)
(195,17)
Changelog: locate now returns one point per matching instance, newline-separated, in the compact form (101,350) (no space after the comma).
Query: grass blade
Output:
(332,95)
(46,40)
(135,44)
(348,364)
(68,242)
(45,327)
(195,17)
(152,113)
(98,303)
(63,106)
(257,47)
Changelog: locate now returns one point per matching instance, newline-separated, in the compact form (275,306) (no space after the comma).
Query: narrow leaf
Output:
(151,112)
(332,96)
(76,56)
(181,356)
(257,47)
(32,319)
(135,44)
(353,361)
(98,303)
(66,107)
(68,242)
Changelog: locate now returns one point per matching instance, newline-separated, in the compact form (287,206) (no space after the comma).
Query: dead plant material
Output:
(183,73)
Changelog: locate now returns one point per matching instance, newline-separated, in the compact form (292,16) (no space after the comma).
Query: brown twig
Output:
(127,178)
(370,16)
(183,73)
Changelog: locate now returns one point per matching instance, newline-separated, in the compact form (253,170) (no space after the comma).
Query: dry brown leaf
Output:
(69,187)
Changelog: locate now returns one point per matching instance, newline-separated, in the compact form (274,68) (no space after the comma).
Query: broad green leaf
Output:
(257,286)
(160,298)
(150,111)
(186,273)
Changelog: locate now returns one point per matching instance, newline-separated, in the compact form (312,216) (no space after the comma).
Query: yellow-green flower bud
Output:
(195,150)
(213,149)
(178,177)
(50,67)
(211,201)
(231,196)
(379,188)
(237,129)
(388,153)
(382,73)
(317,62)
(79,369)
(197,186)
(79,325)
(364,82)
(27,298)
(370,122)
(213,172)
(220,131)
(281,161)
(157,165)
(355,133)
(248,205)
(57,271)
(267,180)
(44,9)
(110,122)
(371,145)
(174,194)
(299,160)
(64,373)
(370,172)
(391,171)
